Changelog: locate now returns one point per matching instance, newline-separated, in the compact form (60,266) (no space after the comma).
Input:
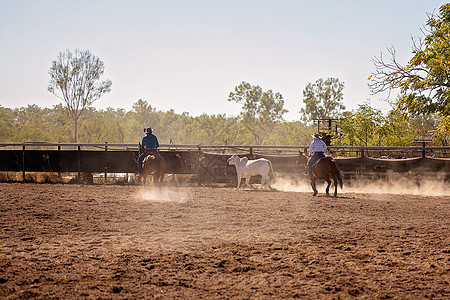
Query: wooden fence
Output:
(208,162)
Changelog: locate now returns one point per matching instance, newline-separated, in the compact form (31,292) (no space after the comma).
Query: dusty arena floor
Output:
(124,242)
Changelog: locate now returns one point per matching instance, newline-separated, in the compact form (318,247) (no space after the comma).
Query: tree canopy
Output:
(367,126)
(74,78)
(323,99)
(364,127)
(423,82)
(261,111)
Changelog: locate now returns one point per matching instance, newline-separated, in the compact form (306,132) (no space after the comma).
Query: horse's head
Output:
(302,159)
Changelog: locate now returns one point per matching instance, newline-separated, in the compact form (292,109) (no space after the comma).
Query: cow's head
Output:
(233,160)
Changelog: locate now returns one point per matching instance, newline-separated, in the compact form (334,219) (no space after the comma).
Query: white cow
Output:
(246,168)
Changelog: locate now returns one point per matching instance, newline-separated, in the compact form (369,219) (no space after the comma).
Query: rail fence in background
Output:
(209,162)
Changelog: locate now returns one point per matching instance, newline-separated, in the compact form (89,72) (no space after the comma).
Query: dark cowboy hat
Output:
(148,129)
(316,135)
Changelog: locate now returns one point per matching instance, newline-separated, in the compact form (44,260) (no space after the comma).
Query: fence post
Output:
(363,166)
(23,163)
(59,172)
(106,170)
(199,162)
(423,151)
(79,162)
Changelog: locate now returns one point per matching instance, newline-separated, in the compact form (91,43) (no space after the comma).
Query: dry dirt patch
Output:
(74,241)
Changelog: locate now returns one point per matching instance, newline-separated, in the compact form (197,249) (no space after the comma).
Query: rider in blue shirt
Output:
(149,145)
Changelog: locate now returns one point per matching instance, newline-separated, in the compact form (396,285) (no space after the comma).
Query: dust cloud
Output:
(164,194)
(393,184)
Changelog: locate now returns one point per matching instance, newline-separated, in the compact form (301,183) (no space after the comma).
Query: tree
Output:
(442,132)
(361,128)
(74,78)
(323,99)
(396,130)
(260,110)
(211,130)
(424,82)
(291,133)
(6,124)
(143,112)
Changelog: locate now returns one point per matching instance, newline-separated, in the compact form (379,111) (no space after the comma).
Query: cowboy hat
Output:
(316,136)
(148,129)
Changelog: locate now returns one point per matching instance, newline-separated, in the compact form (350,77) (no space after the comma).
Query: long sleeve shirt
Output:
(149,141)
(317,146)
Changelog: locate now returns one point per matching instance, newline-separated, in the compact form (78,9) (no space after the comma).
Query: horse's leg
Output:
(161,175)
(327,179)
(335,184)
(326,176)
(313,185)
(162,169)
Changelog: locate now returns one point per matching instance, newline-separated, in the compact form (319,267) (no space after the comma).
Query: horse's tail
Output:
(336,171)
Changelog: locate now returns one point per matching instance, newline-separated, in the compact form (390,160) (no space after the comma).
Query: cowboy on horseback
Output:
(316,151)
(149,145)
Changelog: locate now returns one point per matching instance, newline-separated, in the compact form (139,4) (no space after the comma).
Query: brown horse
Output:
(153,164)
(322,169)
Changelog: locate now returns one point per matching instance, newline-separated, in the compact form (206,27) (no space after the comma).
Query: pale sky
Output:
(189,55)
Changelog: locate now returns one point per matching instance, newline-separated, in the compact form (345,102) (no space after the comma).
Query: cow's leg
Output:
(266,180)
(238,181)
(247,180)
(263,181)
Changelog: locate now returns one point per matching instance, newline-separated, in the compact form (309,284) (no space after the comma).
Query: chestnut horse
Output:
(324,168)
(153,164)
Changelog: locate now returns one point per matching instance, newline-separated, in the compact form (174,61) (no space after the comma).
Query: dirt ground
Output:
(125,242)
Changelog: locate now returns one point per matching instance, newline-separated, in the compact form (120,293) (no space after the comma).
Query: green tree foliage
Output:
(33,123)
(368,127)
(396,130)
(104,126)
(360,128)
(261,111)
(323,99)
(423,124)
(424,82)
(363,127)
(74,78)
(291,133)
(7,124)
(442,131)
(211,130)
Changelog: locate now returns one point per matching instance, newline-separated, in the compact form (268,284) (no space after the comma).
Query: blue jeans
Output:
(312,160)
